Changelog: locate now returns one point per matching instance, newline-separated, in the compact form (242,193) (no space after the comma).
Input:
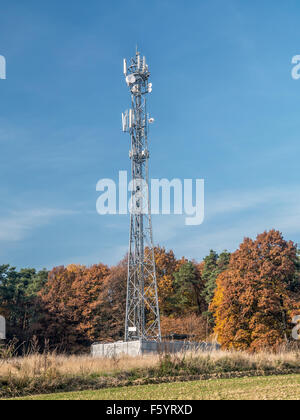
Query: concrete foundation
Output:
(139,348)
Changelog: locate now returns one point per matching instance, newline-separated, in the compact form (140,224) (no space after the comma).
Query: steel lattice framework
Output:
(142,309)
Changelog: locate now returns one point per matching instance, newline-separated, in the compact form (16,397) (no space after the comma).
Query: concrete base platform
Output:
(139,348)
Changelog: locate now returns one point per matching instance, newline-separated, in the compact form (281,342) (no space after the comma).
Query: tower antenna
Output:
(142,309)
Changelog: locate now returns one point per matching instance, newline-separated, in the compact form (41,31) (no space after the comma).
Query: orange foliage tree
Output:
(166,265)
(68,299)
(254,298)
(192,325)
(110,307)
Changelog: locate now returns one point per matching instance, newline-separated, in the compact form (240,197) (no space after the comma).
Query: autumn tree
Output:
(69,299)
(88,286)
(191,326)
(254,299)
(59,323)
(110,307)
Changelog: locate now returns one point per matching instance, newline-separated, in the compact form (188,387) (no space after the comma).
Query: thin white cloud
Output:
(246,214)
(229,217)
(15,226)
(235,201)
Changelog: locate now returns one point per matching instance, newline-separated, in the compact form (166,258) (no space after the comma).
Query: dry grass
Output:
(46,373)
(73,365)
(36,364)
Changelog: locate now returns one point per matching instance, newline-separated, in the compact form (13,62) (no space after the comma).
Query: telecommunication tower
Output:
(142,309)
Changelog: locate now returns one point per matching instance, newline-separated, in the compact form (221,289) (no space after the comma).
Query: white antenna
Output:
(138,62)
(131,118)
(125,67)
(125,121)
(144,63)
(150,87)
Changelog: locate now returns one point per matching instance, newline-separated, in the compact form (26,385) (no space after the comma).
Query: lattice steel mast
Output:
(142,310)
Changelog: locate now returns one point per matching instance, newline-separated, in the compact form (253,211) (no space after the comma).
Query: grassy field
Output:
(35,365)
(49,373)
(260,388)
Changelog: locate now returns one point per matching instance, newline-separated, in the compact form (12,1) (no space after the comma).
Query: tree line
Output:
(246,300)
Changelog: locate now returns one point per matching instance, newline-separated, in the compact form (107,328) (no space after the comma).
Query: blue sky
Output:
(226,109)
